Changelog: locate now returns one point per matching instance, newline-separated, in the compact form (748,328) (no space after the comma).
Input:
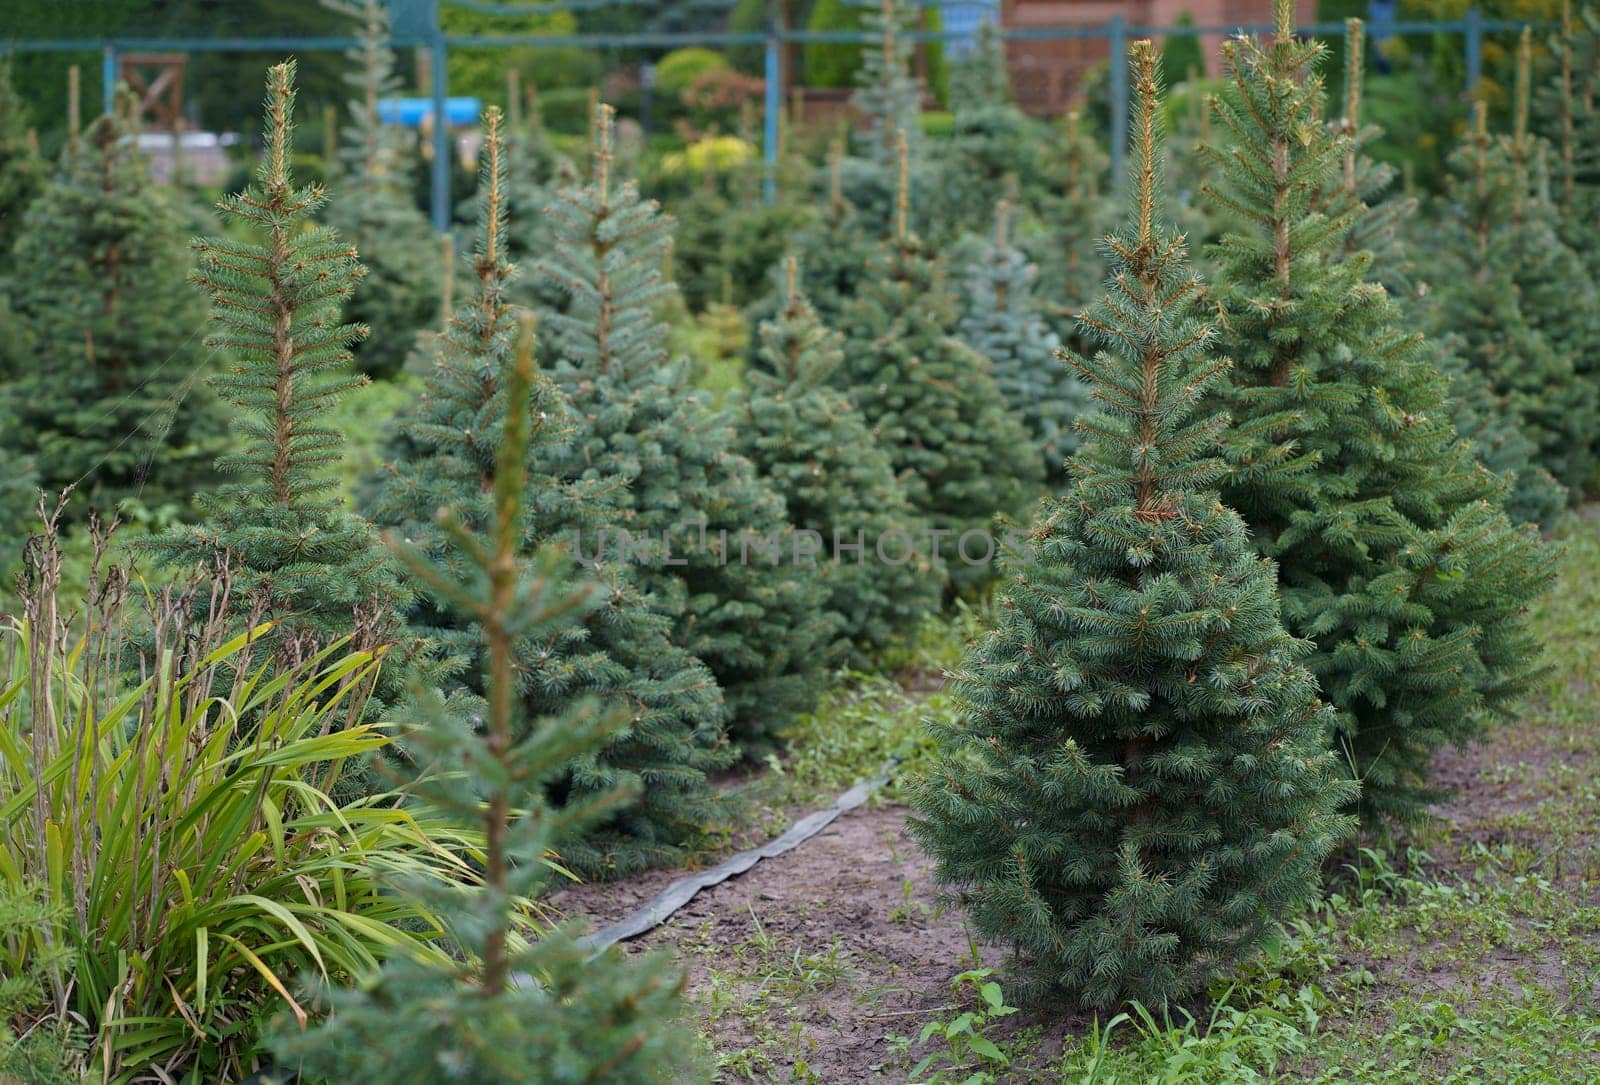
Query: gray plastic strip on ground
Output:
(682,891)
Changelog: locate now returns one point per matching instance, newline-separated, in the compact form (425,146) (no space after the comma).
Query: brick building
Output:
(1048,73)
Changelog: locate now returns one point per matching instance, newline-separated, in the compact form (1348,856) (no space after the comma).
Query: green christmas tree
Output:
(933,402)
(1394,553)
(835,250)
(400,292)
(1362,193)
(1485,250)
(620,653)
(810,442)
(993,148)
(1533,496)
(887,93)
(1141,788)
(1074,216)
(510,1005)
(276,304)
(702,524)
(22,172)
(1557,290)
(112,399)
(1001,321)
(1570,116)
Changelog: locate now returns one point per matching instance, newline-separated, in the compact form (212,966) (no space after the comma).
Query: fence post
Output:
(1119,95)
(772,104)
(108,77)
(1474,48)
(439,175)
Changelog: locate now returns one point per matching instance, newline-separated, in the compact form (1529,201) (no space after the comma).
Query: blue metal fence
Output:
(416,24)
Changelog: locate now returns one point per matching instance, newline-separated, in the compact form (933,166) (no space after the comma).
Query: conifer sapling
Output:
(276,309)
(112,397)
(1142,785)
(808,439)
(399,293)
(1001,321)
(511,1006)
(1394,553)
(620,652)
(933,402)
(713,541)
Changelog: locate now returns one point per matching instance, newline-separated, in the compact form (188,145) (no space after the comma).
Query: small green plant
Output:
(503,1009)
(964,1046)
(38,1046)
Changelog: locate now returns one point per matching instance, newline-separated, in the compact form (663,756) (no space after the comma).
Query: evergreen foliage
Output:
(1570,116)
(753,614)
(1491,250)
(22,171)
(400,292)
(1001,321)
(808,439)
(1394,553)
(504,1009)
(887,93)
(1363,191)
(1532,494)
(835,250)
(994,148)
(19,497)
(110,396)
(1141,788)
(276,308)
(620,652)
(1074,215)
(37,1045)
(932,400)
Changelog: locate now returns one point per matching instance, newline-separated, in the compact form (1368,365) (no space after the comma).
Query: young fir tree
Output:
(1001,321)
(887,93)
(835,250)
(621,652)
(400,292)
(1532,495)
(535,170)
(1394,553)
(816,449)
(933,402)
(1570,115)
(993,148)
(1483,246)
(113,398)
(276,307)
(1141,788)
(507,1006)
(1362,192)
(22,172)
(702,523)
(1074,215)
(1557,290)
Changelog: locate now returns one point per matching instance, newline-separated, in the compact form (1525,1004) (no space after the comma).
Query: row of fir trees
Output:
(1287,556)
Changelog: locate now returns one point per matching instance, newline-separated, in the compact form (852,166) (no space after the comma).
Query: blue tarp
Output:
(411,112)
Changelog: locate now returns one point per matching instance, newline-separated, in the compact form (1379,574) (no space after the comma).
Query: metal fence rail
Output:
(417,25)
